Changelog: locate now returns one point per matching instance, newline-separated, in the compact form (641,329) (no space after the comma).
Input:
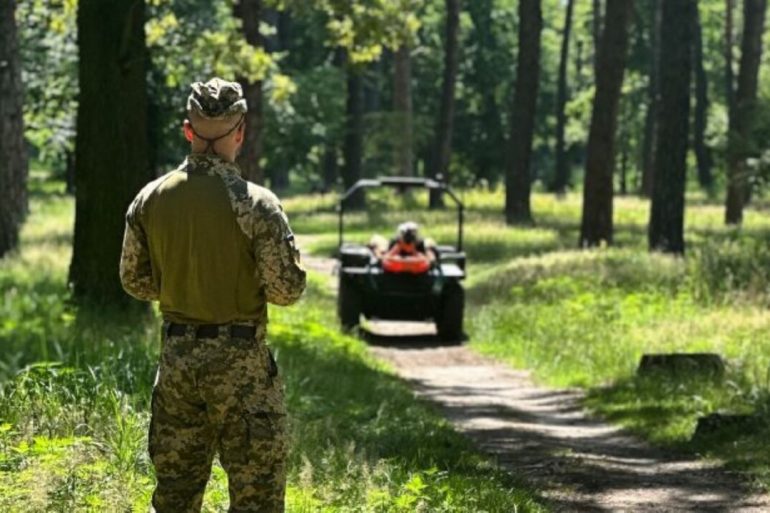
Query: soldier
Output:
(214,249)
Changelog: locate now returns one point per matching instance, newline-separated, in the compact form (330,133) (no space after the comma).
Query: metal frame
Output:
(402,182)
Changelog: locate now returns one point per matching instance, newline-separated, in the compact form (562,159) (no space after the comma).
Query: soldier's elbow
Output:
(290,292)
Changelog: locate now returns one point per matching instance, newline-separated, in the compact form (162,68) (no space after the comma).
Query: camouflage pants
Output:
(219,395)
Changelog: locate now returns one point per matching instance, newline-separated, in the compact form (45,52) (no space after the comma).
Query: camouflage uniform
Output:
(213,249)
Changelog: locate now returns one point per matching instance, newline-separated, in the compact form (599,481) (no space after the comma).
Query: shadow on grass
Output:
(665,410)
(338,398)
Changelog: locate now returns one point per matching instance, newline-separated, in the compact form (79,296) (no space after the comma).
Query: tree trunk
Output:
(250,14)
(402,106)
(728,49)
(596,226)
(666,229)
(596,31)
(739,144)
(562,174)
(111,147)
(518,175)
(354,134)
(442,150)
(650,130)
(702,152)
(13,154)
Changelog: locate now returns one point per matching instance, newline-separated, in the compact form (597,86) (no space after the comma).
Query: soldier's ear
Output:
(239,133)
(188,132)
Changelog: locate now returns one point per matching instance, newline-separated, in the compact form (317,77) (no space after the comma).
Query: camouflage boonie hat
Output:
(216,99)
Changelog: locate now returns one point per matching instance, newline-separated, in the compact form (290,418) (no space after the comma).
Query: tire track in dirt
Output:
(545,436)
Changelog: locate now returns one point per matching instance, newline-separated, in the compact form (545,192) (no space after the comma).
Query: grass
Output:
(584,318)
(75,384)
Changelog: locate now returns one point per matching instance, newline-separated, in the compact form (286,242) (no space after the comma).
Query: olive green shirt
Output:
(211,247)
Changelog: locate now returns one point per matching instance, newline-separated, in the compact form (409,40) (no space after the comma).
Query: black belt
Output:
(210,330)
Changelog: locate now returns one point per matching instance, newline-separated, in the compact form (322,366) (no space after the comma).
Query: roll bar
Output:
(402,182)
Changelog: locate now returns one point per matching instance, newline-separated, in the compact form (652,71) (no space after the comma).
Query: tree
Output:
(353,147)
(650,130)
(443,142)
(518,179)
(596,30)
(485,136)
(741,116)
(728,53)
(250,14)
(402,106)
(111,143)
(666,228)
(561,175)
(596,224)
(13,157)
(702,151)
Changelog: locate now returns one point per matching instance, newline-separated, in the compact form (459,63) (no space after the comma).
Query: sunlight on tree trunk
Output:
(250,13)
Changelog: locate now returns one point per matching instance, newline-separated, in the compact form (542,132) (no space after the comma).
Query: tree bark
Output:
(111,145)
(728,53)
(650,130)
(666,228)
(596,225)
(739,144)
(402,106)
(442,150)
(250,14)
(354,134)
(518,175)
(596,31)
(562,174)
(13,153)
(702,151)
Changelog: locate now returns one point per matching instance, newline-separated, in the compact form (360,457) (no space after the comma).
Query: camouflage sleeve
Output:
(279,262)
(135,269)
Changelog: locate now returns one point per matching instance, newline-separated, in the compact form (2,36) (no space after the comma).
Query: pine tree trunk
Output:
(728,53)
(402,106)
(702,151)
(596,225)
(111,145)
(562,174)
(354,134)
(650,130)
(596,31)
(13,153)
(250,14)
(443,144)
(666,228)
(518,176)
(741,119)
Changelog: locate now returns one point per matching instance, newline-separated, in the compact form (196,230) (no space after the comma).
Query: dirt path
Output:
(545,436)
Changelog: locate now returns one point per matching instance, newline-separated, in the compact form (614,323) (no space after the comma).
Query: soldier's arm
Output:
(278,259)
(135,269)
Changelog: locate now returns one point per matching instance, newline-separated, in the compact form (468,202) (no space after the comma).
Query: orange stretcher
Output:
(408,264)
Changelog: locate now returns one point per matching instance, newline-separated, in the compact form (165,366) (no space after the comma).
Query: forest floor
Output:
(545,435)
